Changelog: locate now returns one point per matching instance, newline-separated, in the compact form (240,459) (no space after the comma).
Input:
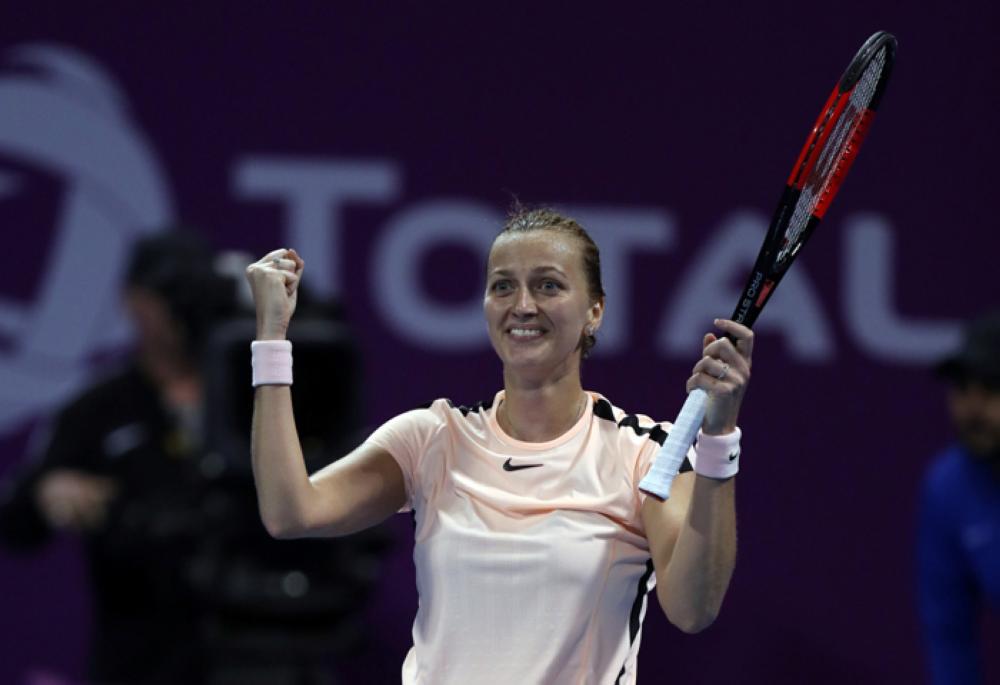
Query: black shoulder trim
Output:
(602,410)
(655,432)
(474,409)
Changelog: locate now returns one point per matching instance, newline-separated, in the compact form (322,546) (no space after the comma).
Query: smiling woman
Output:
(557,240)
(534,548)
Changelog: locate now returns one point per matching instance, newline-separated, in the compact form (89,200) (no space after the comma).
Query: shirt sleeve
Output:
(406,437)
(947,594)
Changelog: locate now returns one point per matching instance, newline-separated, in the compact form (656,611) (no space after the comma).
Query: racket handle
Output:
(668,460)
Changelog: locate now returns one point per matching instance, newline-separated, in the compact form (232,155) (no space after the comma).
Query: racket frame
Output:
(768,270)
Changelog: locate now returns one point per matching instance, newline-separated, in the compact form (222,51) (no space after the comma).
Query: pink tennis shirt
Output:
(532,563)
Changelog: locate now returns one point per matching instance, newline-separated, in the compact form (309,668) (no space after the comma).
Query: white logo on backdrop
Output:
(315,192)
(62,114)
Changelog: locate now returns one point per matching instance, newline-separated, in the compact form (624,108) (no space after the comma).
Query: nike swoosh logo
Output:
(733,456)
(507,466)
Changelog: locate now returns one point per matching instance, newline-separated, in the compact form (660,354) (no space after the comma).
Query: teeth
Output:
(525,332)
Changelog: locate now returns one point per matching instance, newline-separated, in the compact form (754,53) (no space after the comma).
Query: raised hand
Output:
(274,282)
(723,372)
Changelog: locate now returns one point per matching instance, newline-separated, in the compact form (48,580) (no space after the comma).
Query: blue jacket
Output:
(958,557)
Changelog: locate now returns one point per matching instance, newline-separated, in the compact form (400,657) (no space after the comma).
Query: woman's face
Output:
(537,303)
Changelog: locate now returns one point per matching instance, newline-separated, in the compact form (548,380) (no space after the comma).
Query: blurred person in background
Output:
(120,468)
(958,547)
(133,465)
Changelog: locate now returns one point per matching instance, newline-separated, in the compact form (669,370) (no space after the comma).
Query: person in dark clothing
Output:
(119,469)
(122,466)
(958,545)
(188,587)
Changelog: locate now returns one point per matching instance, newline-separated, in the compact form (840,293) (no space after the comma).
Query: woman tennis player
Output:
(534,547)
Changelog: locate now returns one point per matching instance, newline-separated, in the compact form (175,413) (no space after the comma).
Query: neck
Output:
(540,411)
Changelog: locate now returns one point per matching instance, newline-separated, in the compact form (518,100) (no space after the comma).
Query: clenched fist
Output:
(274,282)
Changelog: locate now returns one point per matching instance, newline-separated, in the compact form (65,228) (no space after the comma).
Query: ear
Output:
(595,315)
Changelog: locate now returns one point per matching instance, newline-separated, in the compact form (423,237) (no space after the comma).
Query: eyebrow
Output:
(536,270)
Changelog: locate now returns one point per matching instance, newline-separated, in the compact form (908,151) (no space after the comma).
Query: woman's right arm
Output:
(352,493)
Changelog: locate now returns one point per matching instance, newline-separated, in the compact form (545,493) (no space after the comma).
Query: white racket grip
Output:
(668,460)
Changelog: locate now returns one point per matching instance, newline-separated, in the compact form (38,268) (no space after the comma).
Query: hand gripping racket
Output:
(816,177)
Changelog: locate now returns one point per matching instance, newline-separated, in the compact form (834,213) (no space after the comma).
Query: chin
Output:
(537,362)
(524,361)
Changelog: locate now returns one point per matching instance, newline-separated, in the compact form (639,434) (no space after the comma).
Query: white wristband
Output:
(271,361)
(717,456)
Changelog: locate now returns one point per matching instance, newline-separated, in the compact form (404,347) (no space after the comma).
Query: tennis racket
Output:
(819,171)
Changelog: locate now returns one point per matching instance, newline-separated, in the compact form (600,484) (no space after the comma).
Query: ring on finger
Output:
(725,370)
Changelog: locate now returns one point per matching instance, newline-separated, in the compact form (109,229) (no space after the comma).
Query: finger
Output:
(720,376)
(718,369)
(270,274)
(724,388)
(707,340)
(299,262)
(282,264)
(724,350)
(261,268)
(712,384)
(272,255)
(291,282)
(742,335)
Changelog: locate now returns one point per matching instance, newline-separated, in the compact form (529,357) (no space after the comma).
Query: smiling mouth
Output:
(525,333)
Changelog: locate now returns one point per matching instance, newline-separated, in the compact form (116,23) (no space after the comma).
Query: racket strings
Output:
(831,154)
(860,98)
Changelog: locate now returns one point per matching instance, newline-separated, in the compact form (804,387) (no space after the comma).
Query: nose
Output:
(525,303)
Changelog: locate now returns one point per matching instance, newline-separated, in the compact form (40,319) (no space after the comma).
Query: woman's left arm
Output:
(692,535)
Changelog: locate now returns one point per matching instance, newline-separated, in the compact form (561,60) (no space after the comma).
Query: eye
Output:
(550,286)
(501,287)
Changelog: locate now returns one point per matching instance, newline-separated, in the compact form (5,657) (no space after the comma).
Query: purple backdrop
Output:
(385,142)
